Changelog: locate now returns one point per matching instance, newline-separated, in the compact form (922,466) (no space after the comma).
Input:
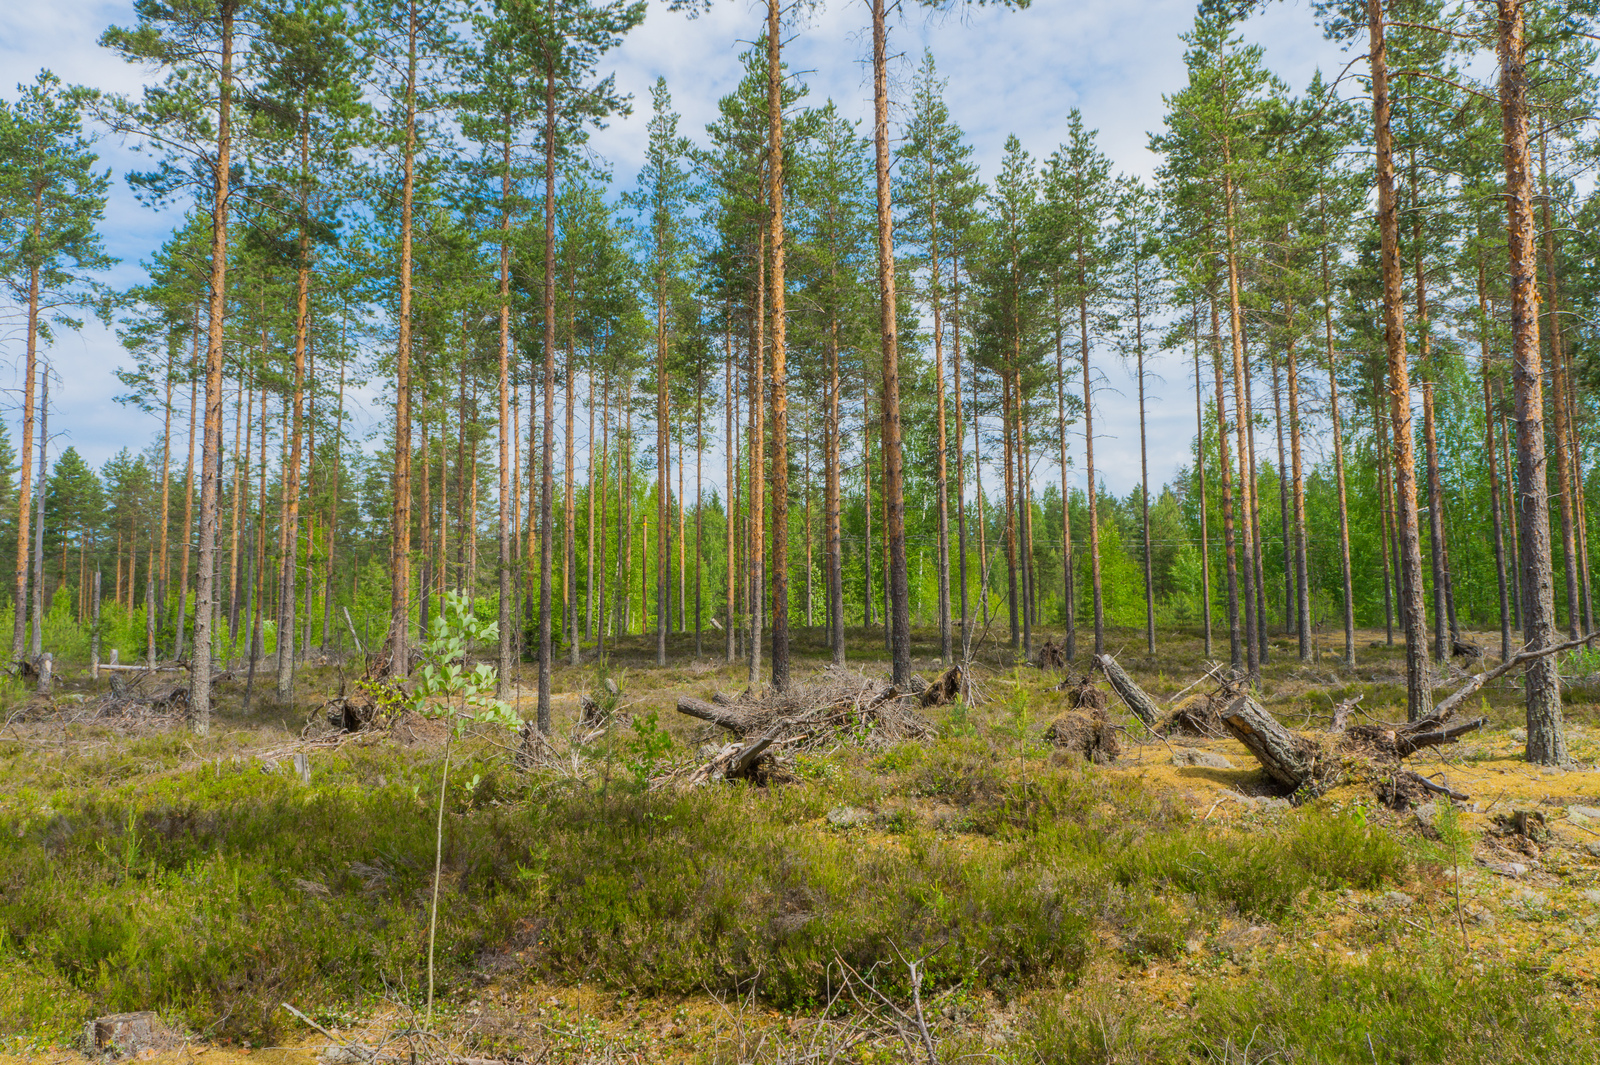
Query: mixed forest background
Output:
(801,372)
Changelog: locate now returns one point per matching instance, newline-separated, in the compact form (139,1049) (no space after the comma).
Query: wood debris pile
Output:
(836,706)
(1196,715)
(140,700)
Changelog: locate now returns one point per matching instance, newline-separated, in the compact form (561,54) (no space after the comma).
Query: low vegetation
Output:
(1039,907)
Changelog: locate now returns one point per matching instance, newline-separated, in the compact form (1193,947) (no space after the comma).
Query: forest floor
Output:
(975,892)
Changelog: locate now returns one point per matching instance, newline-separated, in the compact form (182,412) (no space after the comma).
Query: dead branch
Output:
(1448,706)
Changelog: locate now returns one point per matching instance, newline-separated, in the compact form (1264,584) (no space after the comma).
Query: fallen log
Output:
(734,762)
(725,716)
(1143,707)
(1288,759)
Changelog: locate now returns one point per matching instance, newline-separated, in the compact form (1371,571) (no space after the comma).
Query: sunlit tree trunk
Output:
(1565,487)
(899,616)
(1088,462)
(1230,546)
(400,542)
(1200,479)
(503,530)
(780,396)
(1241,402)
(547,441)
(1547,743)
(211,442)
(1419,694)
(1338,448)
(756,555)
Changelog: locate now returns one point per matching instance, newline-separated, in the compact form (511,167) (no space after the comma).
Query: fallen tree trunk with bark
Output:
(1143,707)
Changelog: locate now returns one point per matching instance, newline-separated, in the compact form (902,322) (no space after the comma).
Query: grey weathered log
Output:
(717,715)
(747,758)
(723,699)
(47,671)
(130,1035)
(1407,742)
(1280,752)
(1437,789)
(1142,705)
(1341,713)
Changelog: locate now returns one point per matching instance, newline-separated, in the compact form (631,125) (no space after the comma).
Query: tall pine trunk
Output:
(502,687)
(400,543)
(1419,692)
(1200,479)
(1547,743)
(1331,351)
(1241,402)
(1088,464)
(1230,546)
(211,440)
(899,616)
(1558,383)
(780,396)
(547,444)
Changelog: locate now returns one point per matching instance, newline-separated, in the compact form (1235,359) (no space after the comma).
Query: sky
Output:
(1008,72)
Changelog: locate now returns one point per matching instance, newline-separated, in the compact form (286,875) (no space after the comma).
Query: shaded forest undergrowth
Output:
(975,891)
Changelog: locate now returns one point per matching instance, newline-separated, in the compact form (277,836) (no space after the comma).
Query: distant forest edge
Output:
(799,374)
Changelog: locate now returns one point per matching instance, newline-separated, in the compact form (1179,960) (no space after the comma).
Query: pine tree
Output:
(51,203)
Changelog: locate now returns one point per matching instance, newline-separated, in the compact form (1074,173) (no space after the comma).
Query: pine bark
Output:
(400,549)
(780,396)
(893,462)
(211,446)
(1546,744)
(503,533)
(1419,693)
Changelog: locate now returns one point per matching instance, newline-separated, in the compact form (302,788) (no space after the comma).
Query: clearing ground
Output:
(877,892)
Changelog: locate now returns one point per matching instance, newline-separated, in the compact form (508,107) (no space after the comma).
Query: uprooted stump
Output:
(1086,732)
(1081,693)
(951,685)
(1051,656)
(738,761)
(1311,765)
(1196,715)
(1308,765)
